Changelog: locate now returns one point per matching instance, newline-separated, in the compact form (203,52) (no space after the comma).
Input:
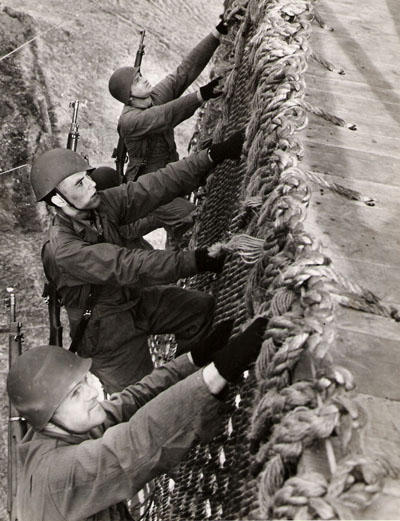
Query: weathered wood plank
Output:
(367,324)
(350,163)
(346,87)
(364,140)
(350,229)
(370,115)
(356,43)
(363,242)
(364,348)
(383,14)
(381,279)
(374,362)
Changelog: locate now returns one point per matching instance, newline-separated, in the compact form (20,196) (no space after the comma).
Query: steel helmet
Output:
(52,167)
(120,83)
(105,177)
(41,378)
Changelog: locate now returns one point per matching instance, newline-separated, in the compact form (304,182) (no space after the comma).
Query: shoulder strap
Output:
(83,322)
(54,301)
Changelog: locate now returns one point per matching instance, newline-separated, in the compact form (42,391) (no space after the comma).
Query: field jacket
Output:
(149,133)
(150,426)
(83,253)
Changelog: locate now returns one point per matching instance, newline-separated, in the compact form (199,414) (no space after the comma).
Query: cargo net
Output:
(254,209)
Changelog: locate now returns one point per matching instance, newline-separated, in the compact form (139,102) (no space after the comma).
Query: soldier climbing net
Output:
(255,210)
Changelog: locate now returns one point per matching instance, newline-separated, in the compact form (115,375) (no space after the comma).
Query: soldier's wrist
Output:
(216,34)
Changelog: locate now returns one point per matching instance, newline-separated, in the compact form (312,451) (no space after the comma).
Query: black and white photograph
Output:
(199,291)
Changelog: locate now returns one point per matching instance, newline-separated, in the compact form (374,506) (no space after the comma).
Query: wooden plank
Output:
(374,363)
(347,87)
(362,242)
(350,163)
(362,54)
(351,22)
(363,140)
(374,117)
(350,229)
(382,279)
(370,11)
(359,322)
(368,346)
(378,76)
(358,48)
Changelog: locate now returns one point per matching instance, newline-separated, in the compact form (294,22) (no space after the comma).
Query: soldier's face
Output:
(80,411)
(141,87)
(80,190)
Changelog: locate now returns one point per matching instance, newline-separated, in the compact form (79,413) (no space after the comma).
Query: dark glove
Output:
(208,91)
(228,149)
(217,339)
(241,351)
(205,262)
(222,27)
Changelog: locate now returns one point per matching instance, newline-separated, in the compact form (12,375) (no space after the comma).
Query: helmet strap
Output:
(64,428)
(57,191)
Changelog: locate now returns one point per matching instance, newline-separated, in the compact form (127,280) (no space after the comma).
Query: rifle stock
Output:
(16,424)
(50,291)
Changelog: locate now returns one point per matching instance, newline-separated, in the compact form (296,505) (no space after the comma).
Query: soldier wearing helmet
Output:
(150,115)
(82,458)
(87,255)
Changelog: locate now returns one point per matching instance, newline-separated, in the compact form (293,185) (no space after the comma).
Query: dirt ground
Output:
(72,61)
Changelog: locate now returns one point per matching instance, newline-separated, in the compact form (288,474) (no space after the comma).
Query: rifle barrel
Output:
(140,51)
(16,426)
(73,134)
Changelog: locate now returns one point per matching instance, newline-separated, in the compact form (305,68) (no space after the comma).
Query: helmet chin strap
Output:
(141,103)
(64,427)
(68,201)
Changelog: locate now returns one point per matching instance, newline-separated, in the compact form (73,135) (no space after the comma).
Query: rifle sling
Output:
(83,322)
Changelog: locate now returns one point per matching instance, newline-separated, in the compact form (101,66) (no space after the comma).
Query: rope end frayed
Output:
(249,248)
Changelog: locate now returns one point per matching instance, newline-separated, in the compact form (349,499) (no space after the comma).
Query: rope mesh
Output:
(255,209)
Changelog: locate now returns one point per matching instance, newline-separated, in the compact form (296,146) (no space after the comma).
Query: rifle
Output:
(53,302)
(140,51)
(50,291)
(73,134)
(120,152)
(16,424)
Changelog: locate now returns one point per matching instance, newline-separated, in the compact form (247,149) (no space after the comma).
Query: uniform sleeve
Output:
(159,117)
(98,473)
(192,65)
(122,406)
(141,227)
(106,263)
(137,199)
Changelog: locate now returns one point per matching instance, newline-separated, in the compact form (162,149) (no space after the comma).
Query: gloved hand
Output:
(222,27)
(205,262)
(241,351)
(209,91)
(231,148)
(216,339)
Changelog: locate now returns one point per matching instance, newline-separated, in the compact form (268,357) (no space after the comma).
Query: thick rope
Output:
(275,269)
